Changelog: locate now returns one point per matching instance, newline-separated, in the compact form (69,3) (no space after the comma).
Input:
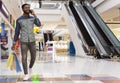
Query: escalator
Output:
(113,43)
(83,34)
(89,32)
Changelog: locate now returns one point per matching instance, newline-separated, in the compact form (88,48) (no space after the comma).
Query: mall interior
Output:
(78,41)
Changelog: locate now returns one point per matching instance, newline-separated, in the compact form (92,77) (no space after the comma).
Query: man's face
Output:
(26,9)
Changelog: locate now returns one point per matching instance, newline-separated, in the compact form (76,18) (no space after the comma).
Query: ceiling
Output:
(52,16)
(53,8)
(109,10)
(112,14)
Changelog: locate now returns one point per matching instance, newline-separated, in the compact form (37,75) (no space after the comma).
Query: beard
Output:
(26,12)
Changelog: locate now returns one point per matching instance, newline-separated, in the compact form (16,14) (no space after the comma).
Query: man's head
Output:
(26,8)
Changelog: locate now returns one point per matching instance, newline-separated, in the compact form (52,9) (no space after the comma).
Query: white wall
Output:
(14,7)
(73,34)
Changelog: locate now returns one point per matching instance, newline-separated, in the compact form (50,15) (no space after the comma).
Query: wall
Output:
(73,34)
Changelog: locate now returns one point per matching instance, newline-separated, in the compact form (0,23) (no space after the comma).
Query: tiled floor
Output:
(50,68)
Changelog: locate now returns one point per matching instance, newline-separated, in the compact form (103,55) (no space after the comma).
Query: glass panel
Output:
(104,26)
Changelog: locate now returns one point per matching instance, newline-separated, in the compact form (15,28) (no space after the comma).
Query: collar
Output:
(25,16)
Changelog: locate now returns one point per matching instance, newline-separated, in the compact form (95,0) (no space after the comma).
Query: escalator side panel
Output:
(90,29)
(99,33)
(98,27)
(79,34)
(81,26)
(110,36)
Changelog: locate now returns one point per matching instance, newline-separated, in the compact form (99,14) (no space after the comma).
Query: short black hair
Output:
(24,5)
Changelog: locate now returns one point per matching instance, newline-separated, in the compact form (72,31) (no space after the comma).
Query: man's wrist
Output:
(14,43)
(35,16)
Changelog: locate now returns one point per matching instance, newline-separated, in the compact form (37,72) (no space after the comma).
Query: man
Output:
(40,3)
(24,27)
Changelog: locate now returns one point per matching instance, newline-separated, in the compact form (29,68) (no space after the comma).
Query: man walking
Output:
(24,27)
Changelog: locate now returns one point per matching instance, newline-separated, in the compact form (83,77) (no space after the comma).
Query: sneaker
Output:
(30,72)
(26,77)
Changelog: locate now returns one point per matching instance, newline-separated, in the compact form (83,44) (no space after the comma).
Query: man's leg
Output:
(32,48)
(24,50)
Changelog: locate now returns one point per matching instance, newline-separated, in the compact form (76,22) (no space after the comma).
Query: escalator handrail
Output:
(73,21)
(82,15)
(104,27)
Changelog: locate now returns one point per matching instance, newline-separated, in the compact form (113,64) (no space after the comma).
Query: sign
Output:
(3,29)
(4,40)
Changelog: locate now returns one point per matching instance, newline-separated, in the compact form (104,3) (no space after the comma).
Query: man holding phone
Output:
(24,27)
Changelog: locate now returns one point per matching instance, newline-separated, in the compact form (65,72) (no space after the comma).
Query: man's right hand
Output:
(13,47)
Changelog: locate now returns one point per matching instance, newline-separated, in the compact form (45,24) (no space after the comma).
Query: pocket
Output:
(23,23)
(31,21)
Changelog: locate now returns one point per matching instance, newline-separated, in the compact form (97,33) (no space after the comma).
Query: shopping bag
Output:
(10,60)
(13,66)
(17,51)
(18,43)
(18,67)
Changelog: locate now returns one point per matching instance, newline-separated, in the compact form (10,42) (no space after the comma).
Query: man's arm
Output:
(16,35)
(37,21)
(17,32)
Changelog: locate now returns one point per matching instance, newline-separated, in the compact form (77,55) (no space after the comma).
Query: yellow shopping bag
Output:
(13,65)
(10,60)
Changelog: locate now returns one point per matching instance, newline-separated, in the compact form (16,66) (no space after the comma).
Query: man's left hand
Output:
(33,13)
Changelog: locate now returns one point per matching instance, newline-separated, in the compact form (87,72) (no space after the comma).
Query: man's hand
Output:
(13,47)
(33,13)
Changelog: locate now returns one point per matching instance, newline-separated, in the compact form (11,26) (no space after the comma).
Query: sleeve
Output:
(37,22)
(17,32)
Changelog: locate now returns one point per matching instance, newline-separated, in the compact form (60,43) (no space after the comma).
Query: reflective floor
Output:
(52,68)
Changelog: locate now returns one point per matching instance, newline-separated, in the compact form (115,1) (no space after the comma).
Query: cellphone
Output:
(30,11)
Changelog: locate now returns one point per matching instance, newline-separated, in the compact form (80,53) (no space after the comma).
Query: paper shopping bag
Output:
(13,66)
(18,67)
(10,60)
